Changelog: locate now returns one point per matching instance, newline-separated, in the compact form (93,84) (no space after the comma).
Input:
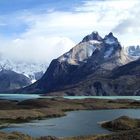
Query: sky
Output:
(41,30)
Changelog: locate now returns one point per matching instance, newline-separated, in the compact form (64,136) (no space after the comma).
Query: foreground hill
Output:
(126,135)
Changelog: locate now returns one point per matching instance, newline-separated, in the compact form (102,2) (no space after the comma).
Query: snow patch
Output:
(94,42)
(110,41)
(33,81)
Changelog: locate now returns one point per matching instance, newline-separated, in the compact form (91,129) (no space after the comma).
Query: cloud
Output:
(106,5)
(36,49)
(50,33)
(128,26)
(102,16)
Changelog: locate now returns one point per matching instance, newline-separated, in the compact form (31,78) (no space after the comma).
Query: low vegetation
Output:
(122,123)
(24,111)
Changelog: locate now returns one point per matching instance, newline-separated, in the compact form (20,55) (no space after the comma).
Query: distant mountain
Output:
(33,70)
(133,51)
(94,55)
(10,80)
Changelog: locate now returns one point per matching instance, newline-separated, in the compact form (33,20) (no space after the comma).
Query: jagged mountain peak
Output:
(91,43)
(82,51)
(110,34)
(93,36)
(133,51)
(110,39)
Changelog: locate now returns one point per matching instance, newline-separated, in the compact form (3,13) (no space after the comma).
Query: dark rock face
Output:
(38,75)
(132,68)
(10,80)
(123,80)
(98,89)
(58,75)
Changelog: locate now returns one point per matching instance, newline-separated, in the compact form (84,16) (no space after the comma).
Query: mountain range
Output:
(95,66)
(33,70)
(16,74)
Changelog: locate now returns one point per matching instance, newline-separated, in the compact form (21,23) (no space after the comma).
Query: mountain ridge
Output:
(93,55)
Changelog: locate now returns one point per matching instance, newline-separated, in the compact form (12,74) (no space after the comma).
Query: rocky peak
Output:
(108,47)
(110,39)
(93,36)
(133,51)
(110,34)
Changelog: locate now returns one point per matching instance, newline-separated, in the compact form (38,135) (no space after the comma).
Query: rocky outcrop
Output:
(122,123)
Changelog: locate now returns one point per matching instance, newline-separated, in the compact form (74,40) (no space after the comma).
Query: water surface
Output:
(21,97)
(74,124)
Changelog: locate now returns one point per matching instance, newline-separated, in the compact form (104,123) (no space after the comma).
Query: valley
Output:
(69,70)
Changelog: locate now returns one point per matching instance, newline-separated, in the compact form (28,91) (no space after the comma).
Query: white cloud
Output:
(38,48)
(102,16)
(106,5)
(50,34)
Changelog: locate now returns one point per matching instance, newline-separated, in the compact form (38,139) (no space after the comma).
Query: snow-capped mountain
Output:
(32,70)
(93,54)
(82,51)
(92,45)
(133,50)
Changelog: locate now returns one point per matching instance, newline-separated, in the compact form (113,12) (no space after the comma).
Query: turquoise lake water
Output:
(34,96)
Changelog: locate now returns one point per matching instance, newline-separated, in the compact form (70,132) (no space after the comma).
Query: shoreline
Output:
(38,109)
(57,107)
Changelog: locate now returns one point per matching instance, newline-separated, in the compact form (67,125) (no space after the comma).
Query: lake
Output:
(74,124)
(21,97)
